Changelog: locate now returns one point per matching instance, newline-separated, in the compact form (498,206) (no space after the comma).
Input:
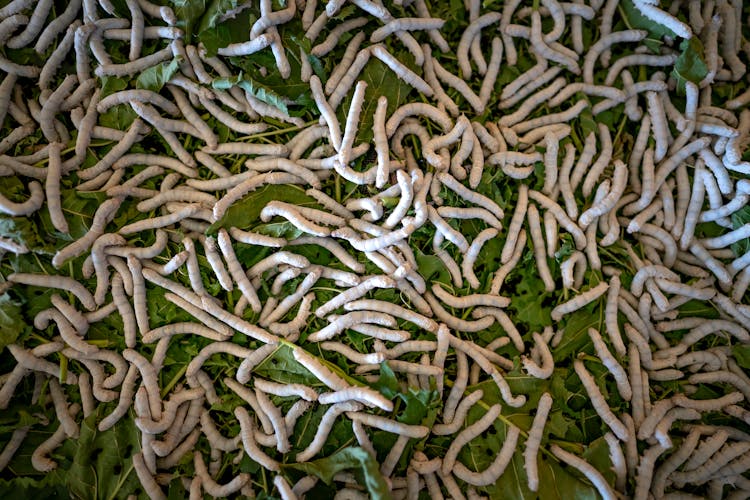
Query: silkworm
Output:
(545,368)
(354,293)
(34,26)
(393,310)
(237,272)
(609,361)
(458,416)
(598,401)
(320,371)
(295,216)
(15,442)
(466,435)
(388,425)
(39,459)
(324,429)
(59,282)
(593,475)
(247,431)
(364,395)
(534,440)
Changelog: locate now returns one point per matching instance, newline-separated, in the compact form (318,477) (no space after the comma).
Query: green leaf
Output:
(576,328)
(283,229)
(352,457)
(739,219)
(216,13)
(742,354)
(188,12)
(245,213)
(256,89)
(11,320)
(431,268)
(387,384)
(100,463)
(690,65)
(155,77)
(112,84)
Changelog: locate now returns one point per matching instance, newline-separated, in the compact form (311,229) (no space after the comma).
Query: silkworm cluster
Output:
(487,236)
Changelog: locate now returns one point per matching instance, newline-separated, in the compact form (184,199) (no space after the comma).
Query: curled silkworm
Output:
(247,431)
(467,435)
(324,428)
(458,417)
(546,366)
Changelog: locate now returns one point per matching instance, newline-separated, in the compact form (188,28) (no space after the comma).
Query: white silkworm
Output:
(579,301)
(402,71)
(534,440)
(55,281)
(609,361)
(471,255)
(324,428)
(320,371)
(388,425)
(540,254)
(378,281)
(237,272)
(247,431)
(365,395)
(467,301)
(467,435)
(587,470)
(546,367)
(598,401)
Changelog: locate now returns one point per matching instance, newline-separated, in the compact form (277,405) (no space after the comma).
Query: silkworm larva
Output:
(579,301)
(519,214)
(277,421)
(593,475)
(124,402)
(467,264)
(534,439)
(237,272)
(39,459)
(546,367)
(365,395)
(606,204)
(617,371)
(402,71)
(59,282)
(320,371)
(467,435)
(467,301)
(539,252)
(247,431)
(378,281)
(209,484)
(324,428)
(603,44)
(388,425)
(302,391)
(394,310)
(598,401)
(15,442)
(33,28)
